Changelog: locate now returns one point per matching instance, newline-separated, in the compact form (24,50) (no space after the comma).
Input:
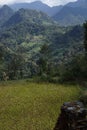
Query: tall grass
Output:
(33,106)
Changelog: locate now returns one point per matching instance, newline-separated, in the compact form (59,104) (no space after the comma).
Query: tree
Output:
(43,60)
(16,63)
(2,64)
(85,37)
(1,51)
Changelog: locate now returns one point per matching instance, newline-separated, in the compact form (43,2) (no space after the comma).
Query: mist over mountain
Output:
(72,14)
(79,3)
(37,5)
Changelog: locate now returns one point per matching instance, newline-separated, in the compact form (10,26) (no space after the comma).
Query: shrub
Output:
(83,97)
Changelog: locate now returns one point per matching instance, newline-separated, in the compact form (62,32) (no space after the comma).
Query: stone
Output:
(73,116)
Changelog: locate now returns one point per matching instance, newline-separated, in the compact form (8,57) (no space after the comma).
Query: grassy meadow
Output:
(33,106)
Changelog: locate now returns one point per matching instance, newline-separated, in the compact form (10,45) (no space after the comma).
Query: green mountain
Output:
(26,31)
(67,45)
(31,16)
(31,29)
(78,3)
(74,13)
(71,16)
(5,13)
(37,5)
(23,35)
(63,42)
(25,28)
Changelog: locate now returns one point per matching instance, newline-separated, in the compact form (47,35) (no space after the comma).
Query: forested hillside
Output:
(37,5)
(5,13)
(30,41)
(73,13)
(71,16)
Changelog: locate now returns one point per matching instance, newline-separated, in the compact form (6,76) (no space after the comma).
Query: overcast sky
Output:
(49,2)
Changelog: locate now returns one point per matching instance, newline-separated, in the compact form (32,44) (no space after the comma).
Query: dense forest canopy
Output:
(26,33)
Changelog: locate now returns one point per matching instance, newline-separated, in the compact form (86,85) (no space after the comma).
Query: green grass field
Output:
(33,106)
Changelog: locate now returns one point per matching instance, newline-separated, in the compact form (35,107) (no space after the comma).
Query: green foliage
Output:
(67,45)
(75,70)
(5,13)
(50,46)
(71,16)
(1,51)
(32,46)
(85,36)
(44,59)
(83,97)
(31,16)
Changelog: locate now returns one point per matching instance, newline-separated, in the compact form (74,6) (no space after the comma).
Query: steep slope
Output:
(29,16)
(37,6)
(78,3)
(71,16)
(55,10)
(26,28)
(63,42)
(5,13)
(30,29)
(67,45)
(73,13)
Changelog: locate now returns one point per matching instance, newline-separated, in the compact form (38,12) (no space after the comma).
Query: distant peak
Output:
(38,1)
(81,0)
(5,6)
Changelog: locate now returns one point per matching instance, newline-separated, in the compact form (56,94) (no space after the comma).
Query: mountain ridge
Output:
(28,15)
(72,14)
(37,5)
(78,3)
(5,13)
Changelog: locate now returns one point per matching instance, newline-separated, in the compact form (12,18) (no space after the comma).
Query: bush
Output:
(75,70)
(83,97)
(44,77)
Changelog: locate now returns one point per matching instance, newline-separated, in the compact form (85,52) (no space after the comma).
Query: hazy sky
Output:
(49,2)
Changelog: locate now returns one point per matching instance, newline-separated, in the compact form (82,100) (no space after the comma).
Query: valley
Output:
(43,62)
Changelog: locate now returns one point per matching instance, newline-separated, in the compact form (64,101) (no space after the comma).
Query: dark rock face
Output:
(73,117)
